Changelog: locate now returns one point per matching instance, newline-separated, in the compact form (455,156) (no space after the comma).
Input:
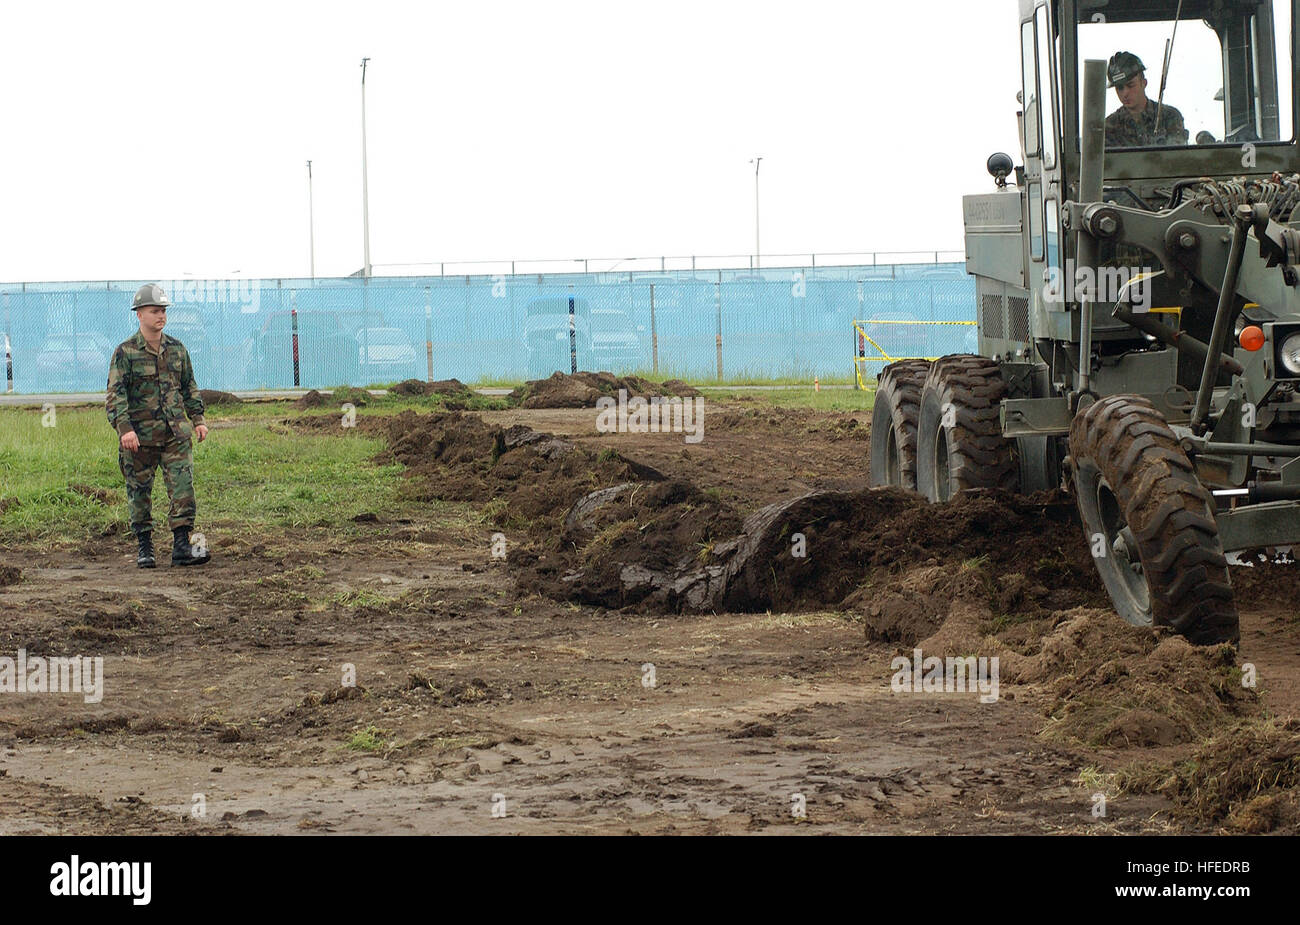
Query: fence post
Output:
(859,343)
(293,319)
(717,297)
(654,332)
(573,337)
(428,331)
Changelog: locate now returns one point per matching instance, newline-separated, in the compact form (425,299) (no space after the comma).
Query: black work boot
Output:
(182,552)
(144,558)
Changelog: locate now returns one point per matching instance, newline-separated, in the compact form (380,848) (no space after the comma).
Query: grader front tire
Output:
(1150,522)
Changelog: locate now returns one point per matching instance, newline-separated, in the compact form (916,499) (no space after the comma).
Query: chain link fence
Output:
(696,325)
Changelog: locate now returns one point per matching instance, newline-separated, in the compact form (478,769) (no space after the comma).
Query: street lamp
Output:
(311,222)
(757,251)
(365,190)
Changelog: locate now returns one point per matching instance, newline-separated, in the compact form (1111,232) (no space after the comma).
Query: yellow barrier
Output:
(860,359)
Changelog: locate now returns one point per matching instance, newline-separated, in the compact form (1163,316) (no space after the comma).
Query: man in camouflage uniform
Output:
(1133,125)
(151,389)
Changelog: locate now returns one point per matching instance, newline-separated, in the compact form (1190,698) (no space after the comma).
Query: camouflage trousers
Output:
(177,461)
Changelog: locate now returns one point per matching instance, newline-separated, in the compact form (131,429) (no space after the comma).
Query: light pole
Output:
(311,222)
(365,189)
(757,251)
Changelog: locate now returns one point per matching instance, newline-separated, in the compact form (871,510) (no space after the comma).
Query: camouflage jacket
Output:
(1124,131)
(151,393)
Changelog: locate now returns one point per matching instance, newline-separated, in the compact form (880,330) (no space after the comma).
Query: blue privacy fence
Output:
(690,324)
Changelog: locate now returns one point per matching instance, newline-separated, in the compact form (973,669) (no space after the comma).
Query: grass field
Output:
(61,483)
(729,378)
(825,400)
(250,472)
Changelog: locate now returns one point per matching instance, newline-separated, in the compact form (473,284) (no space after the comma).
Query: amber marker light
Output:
(1252,337)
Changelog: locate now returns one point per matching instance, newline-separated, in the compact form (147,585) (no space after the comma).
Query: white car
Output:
(383,351)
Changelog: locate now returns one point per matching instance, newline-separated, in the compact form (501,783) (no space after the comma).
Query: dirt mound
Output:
(312,399)
(583,389)
(357,397)
(10,575)
(677,387)
(670,550)
(103,496)
(1123,686)
(216,397)
(606,530)
(1264,582)
(525,479)
(449,692)
(637,543)
(1024,551)
(1108,683)
(1247,779)
(452,388)
(905,608)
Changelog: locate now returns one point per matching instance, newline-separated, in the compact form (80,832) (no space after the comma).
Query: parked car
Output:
(605,338)
(327,353)
(385,354)
(615,341)
(68,362)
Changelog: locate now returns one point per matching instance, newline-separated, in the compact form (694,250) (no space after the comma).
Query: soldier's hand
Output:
(202,431)
(130,441)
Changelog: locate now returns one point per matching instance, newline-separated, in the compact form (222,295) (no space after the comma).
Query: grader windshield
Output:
(1190,72)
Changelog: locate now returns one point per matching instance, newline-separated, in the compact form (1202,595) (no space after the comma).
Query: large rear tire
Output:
(893,424)
(1150,522)
(959,437)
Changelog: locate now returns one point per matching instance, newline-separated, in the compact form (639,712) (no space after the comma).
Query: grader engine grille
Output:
(1018,314)
(991,315)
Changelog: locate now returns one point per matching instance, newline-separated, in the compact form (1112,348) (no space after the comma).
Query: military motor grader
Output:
(1138,305)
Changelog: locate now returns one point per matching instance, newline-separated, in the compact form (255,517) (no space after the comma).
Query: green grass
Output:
(744,377)
(370,739)
(736,377)
(375,404)
(360,598)
(245,477)
(825,400)
(251,472)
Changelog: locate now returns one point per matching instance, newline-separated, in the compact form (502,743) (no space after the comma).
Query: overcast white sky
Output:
(153,140)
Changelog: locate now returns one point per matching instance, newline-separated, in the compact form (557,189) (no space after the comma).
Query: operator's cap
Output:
(149,294)
(1123,67)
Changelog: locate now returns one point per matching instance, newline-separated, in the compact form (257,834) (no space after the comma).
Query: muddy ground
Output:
(656,659)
